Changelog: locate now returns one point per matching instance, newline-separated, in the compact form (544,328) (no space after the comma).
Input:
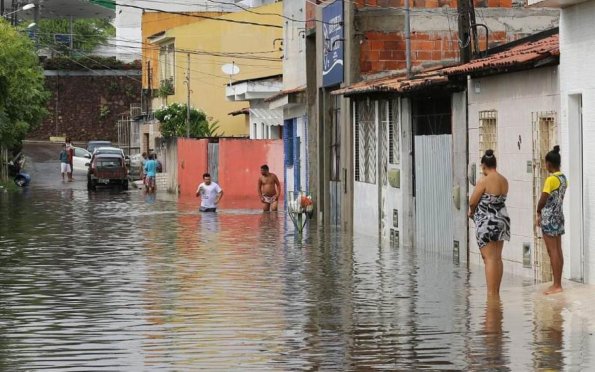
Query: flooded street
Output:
(120,281)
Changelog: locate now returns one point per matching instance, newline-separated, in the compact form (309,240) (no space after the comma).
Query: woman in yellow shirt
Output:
(550,216)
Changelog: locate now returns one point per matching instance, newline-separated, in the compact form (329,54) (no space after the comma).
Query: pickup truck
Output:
(107,170)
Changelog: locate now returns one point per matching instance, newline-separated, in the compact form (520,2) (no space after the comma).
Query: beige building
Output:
(252,41)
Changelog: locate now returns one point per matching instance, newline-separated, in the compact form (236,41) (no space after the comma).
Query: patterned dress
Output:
(491,219)
(552,216)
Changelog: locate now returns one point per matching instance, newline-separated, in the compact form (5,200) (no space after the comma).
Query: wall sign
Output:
(332,32)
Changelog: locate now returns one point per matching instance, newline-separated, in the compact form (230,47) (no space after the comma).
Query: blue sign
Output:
(332,32)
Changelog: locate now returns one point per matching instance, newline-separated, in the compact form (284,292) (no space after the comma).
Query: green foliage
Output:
(173,122)
(23,95)
(104,112)
(88,33)
(166,88)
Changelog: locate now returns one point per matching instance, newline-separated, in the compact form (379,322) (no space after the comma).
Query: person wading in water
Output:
(487,208)
(269,189)
(550,217)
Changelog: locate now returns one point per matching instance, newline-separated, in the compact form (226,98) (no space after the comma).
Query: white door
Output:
(81,157)
(434,210)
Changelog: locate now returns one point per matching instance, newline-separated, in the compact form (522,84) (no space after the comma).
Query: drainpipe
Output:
(408,38)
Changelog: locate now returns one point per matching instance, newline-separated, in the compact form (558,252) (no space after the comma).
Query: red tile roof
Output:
(514,58)
(526,54)
(284,93)
(244,111)
(396,83)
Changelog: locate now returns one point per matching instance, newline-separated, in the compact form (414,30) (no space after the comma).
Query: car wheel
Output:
(125,185)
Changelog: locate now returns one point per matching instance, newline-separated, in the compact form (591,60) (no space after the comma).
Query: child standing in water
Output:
(550,216)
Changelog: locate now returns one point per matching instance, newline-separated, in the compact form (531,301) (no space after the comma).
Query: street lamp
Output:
(25,7)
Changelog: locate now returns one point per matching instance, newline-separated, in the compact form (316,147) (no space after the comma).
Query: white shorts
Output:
(65,168)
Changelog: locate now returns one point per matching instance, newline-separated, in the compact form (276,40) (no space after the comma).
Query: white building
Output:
(577,122)
(129,18)
(262,121)
(291,100)
(514,109)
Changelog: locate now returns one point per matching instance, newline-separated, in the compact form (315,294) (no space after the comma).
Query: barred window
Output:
(488,132)
(365,142)
(394,128)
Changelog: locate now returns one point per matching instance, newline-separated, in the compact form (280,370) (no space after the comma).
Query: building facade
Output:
(371,44)
(577,94)
(191,58)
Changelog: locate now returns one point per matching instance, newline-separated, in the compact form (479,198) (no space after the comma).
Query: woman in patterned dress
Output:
(487,208)
(550,216)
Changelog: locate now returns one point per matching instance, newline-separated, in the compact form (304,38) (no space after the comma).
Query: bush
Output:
(173,122)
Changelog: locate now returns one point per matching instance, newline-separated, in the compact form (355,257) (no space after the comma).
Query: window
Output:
(394,130)
(365,142)
(336,140)
(488,132)
(255,132)
(167,62)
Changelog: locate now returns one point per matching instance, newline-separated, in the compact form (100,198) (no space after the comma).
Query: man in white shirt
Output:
(210,194)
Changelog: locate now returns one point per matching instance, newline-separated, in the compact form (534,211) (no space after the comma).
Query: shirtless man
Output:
(269,189)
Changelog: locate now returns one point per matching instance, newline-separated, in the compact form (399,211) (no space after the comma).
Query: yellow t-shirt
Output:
(552,183)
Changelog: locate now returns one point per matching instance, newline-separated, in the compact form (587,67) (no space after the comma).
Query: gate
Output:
(544,139)
(213,159)
(434,211)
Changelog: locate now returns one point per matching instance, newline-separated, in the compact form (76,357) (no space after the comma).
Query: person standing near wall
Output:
(70,152)
(150,173)
(487,208)
(210,194)
(269,189)
(550,216)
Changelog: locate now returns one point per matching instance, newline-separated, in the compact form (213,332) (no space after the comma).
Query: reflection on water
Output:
(123,281)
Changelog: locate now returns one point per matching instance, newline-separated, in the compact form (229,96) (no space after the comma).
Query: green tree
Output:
(173,122)
(88,33)
(23,95)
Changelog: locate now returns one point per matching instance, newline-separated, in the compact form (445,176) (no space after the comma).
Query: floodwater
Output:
(121,281)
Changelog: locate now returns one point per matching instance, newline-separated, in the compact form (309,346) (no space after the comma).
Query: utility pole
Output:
(464,11)
(188,100)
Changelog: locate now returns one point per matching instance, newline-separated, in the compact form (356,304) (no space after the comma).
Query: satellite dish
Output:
(230,69)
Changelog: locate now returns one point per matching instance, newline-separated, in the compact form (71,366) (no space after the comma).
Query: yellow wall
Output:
(153,23)
(207,80)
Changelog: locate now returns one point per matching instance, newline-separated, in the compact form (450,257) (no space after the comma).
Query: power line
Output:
(188,14)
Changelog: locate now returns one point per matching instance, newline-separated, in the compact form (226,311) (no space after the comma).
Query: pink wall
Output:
(239,168)
(192,163)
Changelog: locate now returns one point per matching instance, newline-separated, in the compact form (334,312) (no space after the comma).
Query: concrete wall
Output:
(86,105)
(577,49)
(192,163)
(239,167)
(207,80)
(515,97)
(434,35)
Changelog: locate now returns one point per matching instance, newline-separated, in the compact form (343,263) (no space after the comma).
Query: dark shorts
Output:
(203,209)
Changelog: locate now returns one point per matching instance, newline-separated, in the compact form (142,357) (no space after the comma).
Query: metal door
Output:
(213,158)
(434,227)
(544,139)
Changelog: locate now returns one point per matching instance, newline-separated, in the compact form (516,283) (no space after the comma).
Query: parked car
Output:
(107,170)
(80,159)
(91,145)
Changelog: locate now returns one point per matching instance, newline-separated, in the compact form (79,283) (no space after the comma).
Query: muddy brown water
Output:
(121,281)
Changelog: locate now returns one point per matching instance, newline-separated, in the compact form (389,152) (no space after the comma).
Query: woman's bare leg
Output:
(554,249)
(494,268)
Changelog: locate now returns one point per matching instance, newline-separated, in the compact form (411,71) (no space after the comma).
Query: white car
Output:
(81,157)
(108,150)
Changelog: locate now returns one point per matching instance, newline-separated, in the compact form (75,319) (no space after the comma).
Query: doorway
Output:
(576,218)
